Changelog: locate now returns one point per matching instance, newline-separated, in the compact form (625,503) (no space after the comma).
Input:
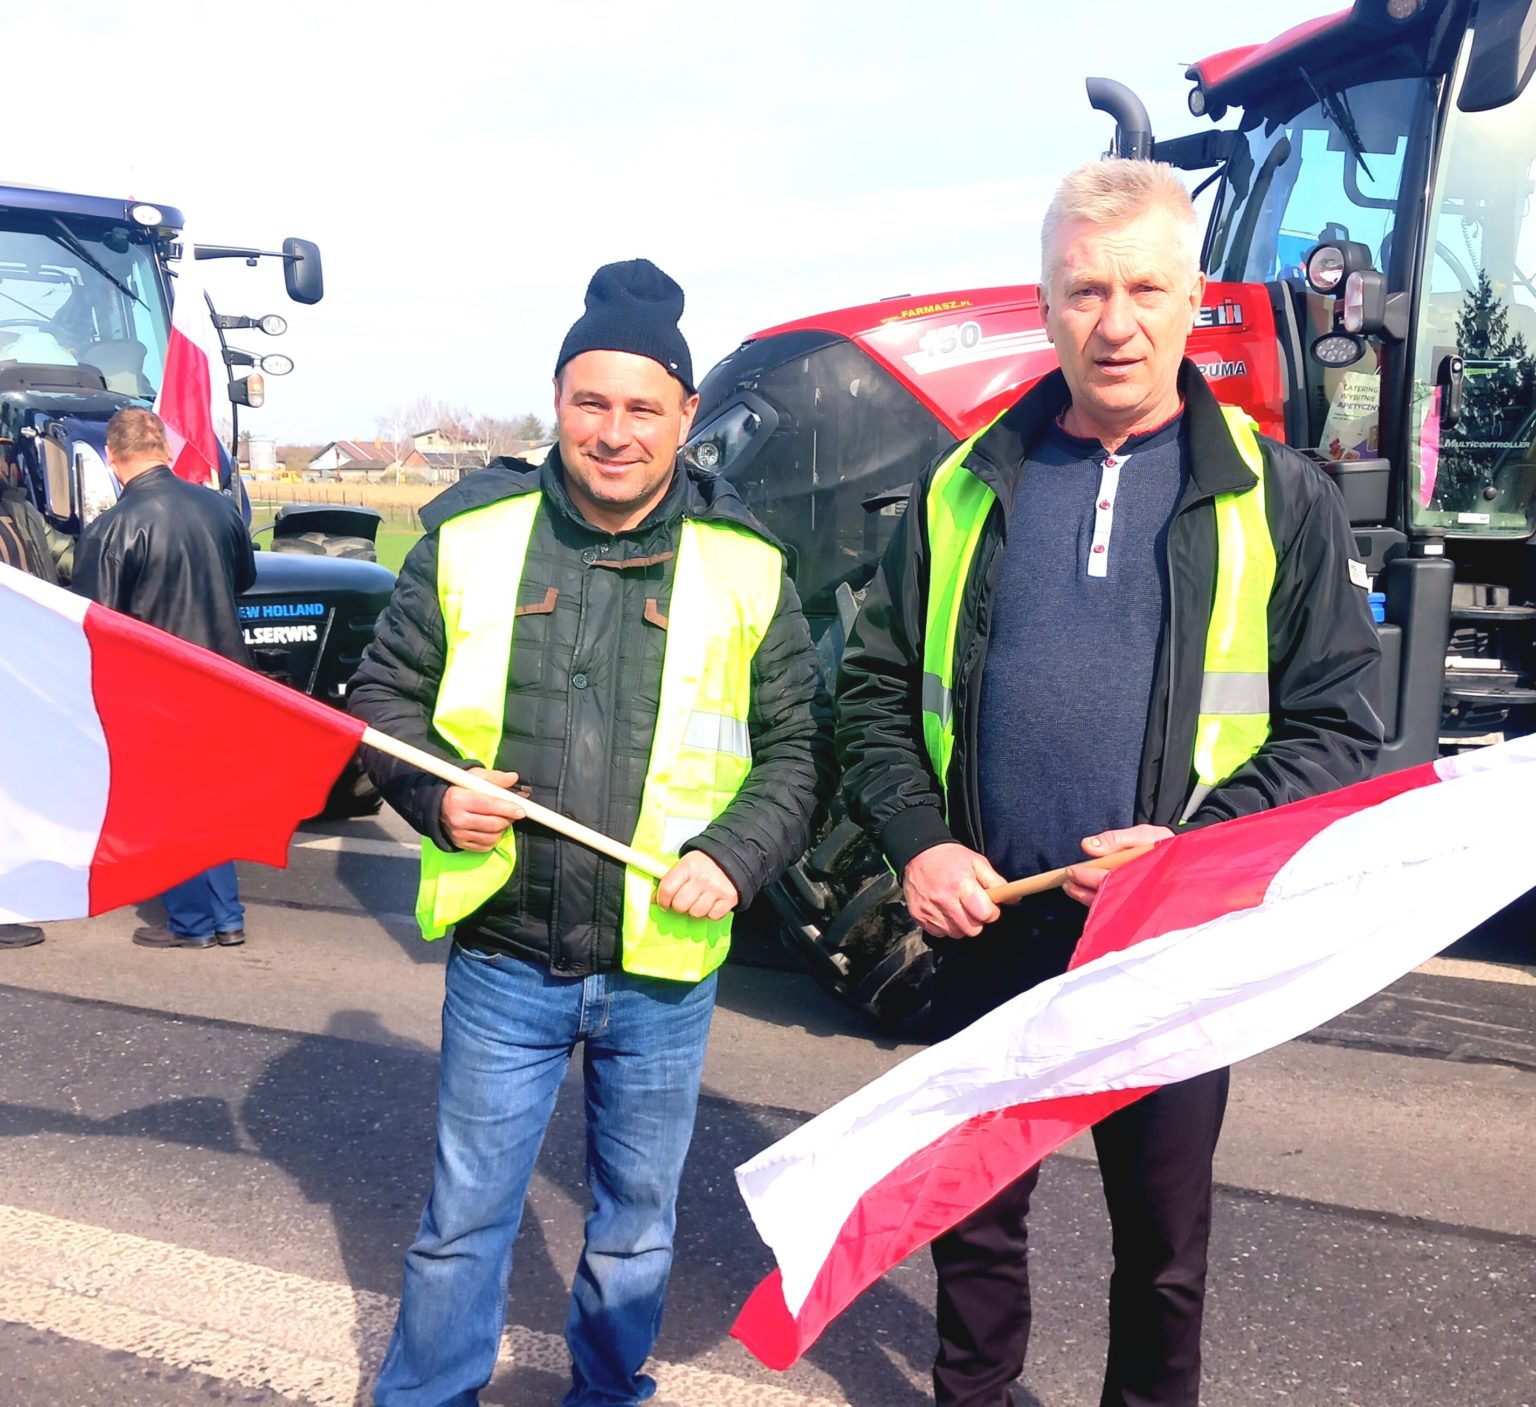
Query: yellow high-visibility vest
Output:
(725,591)
(1234,690)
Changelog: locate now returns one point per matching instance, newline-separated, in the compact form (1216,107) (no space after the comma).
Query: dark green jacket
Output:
(581,708)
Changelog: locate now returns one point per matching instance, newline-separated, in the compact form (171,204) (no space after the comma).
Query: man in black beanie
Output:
(614,635)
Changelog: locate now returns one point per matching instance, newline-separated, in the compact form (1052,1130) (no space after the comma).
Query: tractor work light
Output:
(1338,349)
(249,390)
(1370,311)
(1357,291)
(1330,263)
(1325,268)
(272,325)
(275,364)
(1401,10)
(147,215)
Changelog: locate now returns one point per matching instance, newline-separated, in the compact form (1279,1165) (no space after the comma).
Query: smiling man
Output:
(617,633)
(1115,611)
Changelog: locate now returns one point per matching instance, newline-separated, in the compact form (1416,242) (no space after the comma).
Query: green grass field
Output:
(394,540)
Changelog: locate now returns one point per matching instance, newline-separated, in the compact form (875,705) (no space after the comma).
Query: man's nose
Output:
(1117,321)
(615,429)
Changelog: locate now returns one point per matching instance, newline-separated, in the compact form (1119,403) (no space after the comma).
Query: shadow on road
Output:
(351,1121)
(347,1116)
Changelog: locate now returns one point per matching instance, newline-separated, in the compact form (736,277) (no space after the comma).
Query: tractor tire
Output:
(840,907)
(359,549)
(841,913)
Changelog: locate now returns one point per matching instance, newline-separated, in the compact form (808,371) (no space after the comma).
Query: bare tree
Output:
(395,428)
(469,441)
(498,436)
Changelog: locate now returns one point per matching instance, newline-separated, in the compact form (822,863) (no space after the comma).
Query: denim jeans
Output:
(206,904)
(508,1031)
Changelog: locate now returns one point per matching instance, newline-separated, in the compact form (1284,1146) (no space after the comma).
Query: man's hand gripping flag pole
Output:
(563,825)
(1017,889)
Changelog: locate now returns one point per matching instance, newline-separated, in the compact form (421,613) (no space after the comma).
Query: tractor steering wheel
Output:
(1467,282)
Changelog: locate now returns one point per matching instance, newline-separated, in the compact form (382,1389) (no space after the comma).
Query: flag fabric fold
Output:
(184,401)
(139,760)
(1220,944)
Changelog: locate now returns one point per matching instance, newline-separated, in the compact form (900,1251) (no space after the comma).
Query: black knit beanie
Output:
(632,307)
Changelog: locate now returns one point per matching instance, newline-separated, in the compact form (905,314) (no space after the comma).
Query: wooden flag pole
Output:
(1018,889)
(563,825)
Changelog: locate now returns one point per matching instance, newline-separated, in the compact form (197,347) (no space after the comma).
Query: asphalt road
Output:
(212,1163)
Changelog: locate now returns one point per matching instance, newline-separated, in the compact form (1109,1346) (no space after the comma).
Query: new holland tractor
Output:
(1371,252)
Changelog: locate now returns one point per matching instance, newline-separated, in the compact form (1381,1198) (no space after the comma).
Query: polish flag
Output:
(185,401)
(1221,943)
(137,760)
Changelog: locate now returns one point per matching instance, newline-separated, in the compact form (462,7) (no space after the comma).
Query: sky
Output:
(465,167)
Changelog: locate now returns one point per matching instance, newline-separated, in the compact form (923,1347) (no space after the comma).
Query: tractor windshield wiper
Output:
(1335,107)
(68,240)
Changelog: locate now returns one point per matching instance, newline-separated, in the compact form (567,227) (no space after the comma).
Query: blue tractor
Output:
(86,288)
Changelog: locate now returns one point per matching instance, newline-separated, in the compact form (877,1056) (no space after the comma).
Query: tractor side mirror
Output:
(302,274)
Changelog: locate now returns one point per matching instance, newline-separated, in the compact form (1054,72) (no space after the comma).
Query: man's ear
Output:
(1196,298)
(690,409)
(1045,310)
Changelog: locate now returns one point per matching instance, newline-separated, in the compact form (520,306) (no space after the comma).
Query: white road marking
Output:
(314,1340)
(360,845)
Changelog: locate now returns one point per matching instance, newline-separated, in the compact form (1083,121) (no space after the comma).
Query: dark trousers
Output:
(1155,1163)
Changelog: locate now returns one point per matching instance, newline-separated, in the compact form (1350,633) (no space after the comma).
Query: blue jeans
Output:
(206,904)
(508,1031)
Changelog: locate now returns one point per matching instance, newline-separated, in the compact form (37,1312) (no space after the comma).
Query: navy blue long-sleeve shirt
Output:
(1080,604)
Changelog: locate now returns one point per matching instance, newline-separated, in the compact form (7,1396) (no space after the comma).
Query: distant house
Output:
(445,467)
(439,441)
(438,457)
(352,459)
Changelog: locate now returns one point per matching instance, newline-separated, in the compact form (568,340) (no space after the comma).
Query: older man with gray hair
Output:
(1115,612)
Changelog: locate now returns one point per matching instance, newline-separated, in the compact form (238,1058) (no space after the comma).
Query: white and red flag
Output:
(185,399)
(1218,945)
(129,764)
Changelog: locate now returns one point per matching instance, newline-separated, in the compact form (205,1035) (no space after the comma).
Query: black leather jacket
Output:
(171,554)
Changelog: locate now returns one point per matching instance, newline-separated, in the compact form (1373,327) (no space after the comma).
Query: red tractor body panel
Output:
(967,356)
(1220,73)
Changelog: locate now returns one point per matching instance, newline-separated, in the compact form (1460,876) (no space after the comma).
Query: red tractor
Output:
(1372,257)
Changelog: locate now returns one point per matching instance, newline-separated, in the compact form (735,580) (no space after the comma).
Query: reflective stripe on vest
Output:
(1234,693)
(725,592)
(1234,719)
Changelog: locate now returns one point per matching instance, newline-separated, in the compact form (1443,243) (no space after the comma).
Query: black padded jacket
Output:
(585,682)
(1325,659)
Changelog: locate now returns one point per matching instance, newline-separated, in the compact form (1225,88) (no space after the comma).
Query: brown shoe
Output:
(160,936)
(20,935)
(230,938)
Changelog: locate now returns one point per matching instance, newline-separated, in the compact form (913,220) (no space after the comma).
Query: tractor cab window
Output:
(85,295)
(1330,171)
(1478,475)
(823,444)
